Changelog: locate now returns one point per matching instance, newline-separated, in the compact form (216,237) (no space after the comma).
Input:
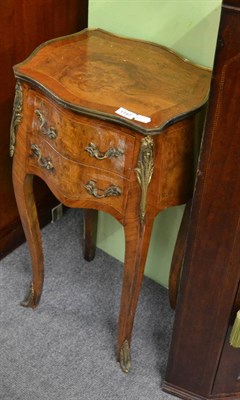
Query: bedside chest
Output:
(107,123)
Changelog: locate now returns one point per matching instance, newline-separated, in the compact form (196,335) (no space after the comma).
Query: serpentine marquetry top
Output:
(138,84)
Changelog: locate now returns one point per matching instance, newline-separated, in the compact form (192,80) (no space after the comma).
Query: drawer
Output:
(75,181)
(86,140)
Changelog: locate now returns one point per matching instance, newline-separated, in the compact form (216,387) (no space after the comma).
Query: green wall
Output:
(190,28)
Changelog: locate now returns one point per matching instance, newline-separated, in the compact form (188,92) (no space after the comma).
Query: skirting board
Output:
(186,395)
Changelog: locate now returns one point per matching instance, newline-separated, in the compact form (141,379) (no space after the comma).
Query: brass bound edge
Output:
(144,171)
(16,116)
(110,117)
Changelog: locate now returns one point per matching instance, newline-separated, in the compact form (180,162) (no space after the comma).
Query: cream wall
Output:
(190,28)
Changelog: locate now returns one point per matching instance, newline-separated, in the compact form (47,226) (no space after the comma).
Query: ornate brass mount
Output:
(16,116)
(110,191)
(94,151)
(125,357)
(43,162)
(50,132)
(144,171)
(30,298)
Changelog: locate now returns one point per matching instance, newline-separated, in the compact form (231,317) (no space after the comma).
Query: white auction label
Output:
(125,113)
(142,118)
(131,115)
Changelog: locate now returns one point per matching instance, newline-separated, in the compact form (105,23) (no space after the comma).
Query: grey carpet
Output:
(65,349)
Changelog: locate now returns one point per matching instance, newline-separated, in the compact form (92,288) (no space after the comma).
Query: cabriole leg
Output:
(23,188)
(137,240)
(90,220)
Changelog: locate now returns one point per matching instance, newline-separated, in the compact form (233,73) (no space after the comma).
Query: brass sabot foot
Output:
(30,300)
(125,357)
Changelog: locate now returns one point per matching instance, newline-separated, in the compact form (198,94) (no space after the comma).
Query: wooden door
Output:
(24,25)
(202,364)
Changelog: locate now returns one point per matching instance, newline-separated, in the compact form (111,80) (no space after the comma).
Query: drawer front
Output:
(81,139)
(75,181)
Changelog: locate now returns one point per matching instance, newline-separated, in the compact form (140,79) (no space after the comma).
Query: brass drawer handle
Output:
(94,151)
(43,162)
(110,191)
(50,132)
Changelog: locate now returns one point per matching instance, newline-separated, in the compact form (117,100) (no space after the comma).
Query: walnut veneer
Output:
(66,131)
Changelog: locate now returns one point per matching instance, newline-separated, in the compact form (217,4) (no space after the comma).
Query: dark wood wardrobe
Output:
(24,25)
(202,364)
